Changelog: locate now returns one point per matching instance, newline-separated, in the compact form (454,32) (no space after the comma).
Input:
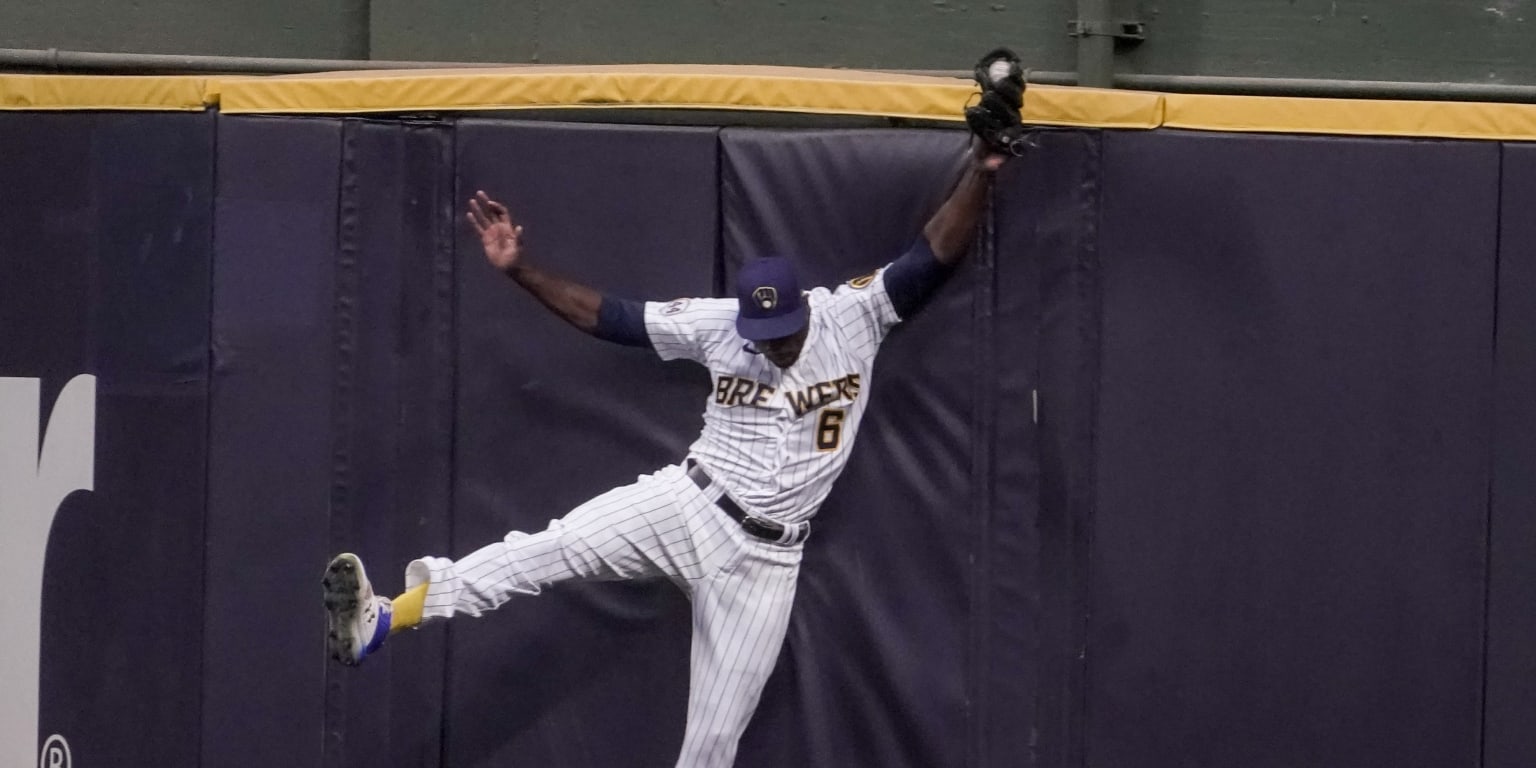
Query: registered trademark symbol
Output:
(55,753)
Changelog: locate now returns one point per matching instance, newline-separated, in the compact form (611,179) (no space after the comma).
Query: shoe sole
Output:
(342,582)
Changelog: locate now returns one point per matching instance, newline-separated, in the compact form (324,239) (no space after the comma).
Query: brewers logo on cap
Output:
(767,297)
(769,304)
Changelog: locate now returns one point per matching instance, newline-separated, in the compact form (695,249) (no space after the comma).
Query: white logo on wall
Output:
(36,473)
(55,753)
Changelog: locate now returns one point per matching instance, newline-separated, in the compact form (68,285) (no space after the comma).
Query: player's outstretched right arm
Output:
(503,243)
(607,318)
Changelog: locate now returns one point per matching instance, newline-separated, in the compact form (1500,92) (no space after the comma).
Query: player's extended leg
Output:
(631,532)
(739,620)
(652,527)
(628,532)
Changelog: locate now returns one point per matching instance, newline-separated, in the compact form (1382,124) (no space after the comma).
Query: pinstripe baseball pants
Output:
(662,525)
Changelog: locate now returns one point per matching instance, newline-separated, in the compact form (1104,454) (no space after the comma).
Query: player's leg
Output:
(630,532)
(740,617)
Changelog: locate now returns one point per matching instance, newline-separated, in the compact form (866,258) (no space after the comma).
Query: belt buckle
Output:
(772,531)
(760,529)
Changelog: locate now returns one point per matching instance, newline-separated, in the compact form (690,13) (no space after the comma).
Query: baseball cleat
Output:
(358,619)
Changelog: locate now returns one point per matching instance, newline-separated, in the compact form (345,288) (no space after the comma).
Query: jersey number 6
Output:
(829,429)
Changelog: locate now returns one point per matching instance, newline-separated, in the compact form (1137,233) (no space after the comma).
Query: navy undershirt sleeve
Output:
(622,321)
(913,277)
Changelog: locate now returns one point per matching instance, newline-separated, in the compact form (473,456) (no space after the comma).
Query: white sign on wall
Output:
(36,473)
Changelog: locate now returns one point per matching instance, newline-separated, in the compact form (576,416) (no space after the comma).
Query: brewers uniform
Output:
(728,524)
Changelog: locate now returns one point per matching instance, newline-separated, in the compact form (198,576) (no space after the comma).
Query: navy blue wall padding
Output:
(839,203)
(392,419)
(1046,209)
(878,665)
(1276,509)
(592,674)
(104,240)
(1292,457)
(1511,698)
(270,448)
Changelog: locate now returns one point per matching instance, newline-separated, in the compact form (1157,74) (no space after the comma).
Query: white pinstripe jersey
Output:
(777,439)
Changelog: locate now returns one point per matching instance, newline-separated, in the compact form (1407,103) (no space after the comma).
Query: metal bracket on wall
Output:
(1127,31)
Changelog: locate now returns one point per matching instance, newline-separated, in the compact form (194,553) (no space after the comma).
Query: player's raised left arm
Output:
(946,239)
(953,227)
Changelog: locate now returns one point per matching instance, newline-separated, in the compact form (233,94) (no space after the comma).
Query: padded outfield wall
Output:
(1216,452)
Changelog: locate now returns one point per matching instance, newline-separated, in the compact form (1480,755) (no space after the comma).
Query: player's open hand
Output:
(502,240)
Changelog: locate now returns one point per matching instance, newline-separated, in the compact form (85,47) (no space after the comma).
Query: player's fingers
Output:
(499,210)
(494,209)
(481,220)
(474,222)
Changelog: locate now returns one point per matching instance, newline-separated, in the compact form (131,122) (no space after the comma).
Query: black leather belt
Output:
(766,530)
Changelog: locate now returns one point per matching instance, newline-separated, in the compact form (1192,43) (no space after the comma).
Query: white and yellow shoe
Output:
(359,620)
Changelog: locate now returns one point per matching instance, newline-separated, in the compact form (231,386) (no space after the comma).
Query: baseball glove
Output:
(995,118)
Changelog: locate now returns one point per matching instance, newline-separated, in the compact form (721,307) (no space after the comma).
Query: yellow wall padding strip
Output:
(785,89)
(70,92)
(1353,117)
(716,87)
(1046,105)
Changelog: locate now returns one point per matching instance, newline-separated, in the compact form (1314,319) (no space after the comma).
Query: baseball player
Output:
(790,371)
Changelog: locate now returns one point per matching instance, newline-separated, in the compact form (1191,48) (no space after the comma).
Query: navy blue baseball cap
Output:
(771,306)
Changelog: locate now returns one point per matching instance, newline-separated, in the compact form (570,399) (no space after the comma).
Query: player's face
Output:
(784,352)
